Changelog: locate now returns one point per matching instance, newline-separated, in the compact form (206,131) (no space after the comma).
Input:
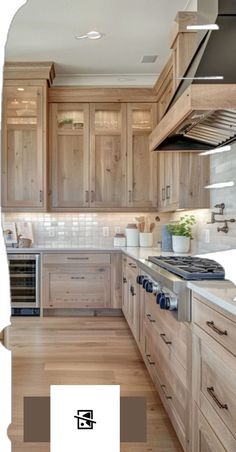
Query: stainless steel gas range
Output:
(167,277)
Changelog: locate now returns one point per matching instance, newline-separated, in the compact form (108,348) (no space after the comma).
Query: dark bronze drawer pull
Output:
(163,336)
(132,291)
(77,277)
(150,318)
(210,391)
(168,192)
(163,387)
(150,362)
(217,330)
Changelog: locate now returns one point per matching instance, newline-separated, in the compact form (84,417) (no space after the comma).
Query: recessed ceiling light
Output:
(91,35)
(220,185)
(203,27)
(20,89)
(217,150)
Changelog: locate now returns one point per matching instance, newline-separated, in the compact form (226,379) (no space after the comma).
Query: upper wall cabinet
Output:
(142,164)
(181,181)
(24,145)
(24,135)
(69,145)
(99,156)
(108,155)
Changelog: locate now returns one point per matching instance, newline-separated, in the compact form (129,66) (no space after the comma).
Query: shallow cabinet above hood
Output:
(202,118)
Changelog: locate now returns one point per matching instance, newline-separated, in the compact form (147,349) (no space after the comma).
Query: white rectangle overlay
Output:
(71,408)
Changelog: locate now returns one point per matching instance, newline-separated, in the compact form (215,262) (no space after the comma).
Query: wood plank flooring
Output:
(88,350)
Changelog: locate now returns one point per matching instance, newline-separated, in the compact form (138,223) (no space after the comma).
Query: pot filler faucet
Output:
(224,228)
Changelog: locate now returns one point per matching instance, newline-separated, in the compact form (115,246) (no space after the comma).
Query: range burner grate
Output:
(196,268)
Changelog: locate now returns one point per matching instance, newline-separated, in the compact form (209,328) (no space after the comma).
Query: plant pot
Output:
(180,244)
(145,239)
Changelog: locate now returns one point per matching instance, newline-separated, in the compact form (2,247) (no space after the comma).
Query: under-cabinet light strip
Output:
(203,27)
(216,150)
(220,185)
(210,77)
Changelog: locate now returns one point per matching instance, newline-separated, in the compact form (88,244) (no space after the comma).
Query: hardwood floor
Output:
(88,350)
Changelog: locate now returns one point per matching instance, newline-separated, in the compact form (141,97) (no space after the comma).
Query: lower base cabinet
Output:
(81,281)
(166,360)
(204,438)
(130,305)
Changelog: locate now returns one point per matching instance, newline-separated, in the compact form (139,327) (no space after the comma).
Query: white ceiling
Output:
(45,30)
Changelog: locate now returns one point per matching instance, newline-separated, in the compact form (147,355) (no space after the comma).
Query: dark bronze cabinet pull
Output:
(92,196)
(132,291)
(217,330)
(163,195)
(150,318)
(163,387)
(86,196)
(124,280)
(168,192)
(210,391)
(150,362)
(163,336)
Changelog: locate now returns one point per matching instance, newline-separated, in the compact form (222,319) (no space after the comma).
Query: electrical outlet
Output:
(206,235)
(51,233)
(105,231)
(117,229)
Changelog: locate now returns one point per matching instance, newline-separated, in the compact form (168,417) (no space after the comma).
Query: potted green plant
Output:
(181,232)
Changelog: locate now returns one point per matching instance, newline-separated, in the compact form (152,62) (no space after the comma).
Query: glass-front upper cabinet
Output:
(69,150)
(24,145)
(108,155)
(142,164)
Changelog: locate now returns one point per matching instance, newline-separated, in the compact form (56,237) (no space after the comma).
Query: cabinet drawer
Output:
(204,438)
(80,289)
(76,258)
(172,333)
(215,324)
(217,384)
(171,389)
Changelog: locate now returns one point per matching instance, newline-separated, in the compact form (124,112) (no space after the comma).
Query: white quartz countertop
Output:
(220,293)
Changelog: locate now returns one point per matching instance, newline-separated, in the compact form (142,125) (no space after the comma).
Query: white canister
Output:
(146,239)
(132,237)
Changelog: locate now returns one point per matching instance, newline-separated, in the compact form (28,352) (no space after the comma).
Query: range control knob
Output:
(152,287)
(140,279)
(149,286)
(158,297)
(145,280)
(168,302)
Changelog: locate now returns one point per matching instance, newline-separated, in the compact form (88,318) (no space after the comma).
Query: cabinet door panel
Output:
(24,147)
(70,155)
(107,155)
(142,167)
(109,183)
(70,170)
(81,288)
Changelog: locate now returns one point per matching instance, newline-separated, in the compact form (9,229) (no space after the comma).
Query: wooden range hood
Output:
(202,118)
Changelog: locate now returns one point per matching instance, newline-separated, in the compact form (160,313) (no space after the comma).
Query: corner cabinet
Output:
(182,177)
(24,145)
(142,164)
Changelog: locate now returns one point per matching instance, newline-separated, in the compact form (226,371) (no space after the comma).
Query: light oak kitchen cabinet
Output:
(182,177)
(24,145)
(81,280)
(107,155)
(213,378)
(100,157)
(69,145)
(141,164)
(130,304)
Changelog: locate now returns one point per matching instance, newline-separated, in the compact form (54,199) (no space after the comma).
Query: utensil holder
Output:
(146,239)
